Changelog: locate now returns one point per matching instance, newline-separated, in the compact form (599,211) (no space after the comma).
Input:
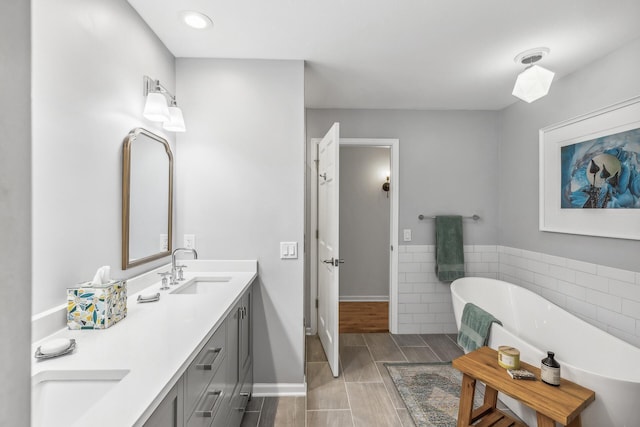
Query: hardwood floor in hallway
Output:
(363,395)
(364,317)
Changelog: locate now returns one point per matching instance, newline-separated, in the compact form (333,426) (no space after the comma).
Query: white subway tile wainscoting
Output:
(606,297)
(424,303)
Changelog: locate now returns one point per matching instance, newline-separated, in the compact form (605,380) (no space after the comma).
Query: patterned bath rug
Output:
(431,392)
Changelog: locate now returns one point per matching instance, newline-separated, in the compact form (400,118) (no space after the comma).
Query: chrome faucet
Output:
(173,262)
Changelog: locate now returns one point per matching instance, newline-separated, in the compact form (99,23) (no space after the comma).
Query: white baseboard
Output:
(370,298)
(279,389)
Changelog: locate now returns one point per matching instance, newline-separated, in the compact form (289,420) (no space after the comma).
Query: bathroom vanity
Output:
(185,360)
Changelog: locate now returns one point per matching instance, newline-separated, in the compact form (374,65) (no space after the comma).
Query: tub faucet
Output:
(173,262)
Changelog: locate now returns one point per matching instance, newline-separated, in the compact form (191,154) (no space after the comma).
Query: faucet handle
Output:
(180,271)
(165,280)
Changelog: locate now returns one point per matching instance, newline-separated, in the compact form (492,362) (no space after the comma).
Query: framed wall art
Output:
(590,173)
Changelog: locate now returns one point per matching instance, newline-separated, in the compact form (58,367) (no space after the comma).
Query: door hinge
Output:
(391,248)
(317,234)
(316,302)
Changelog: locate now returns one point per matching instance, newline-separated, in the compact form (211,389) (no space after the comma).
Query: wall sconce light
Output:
(534,82)
(156,108)
(386,186)
(176,120)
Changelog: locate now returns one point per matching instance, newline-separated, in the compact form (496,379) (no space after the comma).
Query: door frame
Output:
(394,146)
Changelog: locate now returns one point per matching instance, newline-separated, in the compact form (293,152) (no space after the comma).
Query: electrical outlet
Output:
(406,234)
(190,241)
(164,243)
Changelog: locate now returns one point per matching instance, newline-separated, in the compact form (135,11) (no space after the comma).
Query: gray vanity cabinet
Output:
(241,365)
(215,389)
(169,412)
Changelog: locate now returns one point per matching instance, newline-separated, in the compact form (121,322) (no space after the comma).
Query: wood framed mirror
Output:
(147,198)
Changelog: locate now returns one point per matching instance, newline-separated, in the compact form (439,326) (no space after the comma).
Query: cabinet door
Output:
(233,330)
(168,413)
(245,337)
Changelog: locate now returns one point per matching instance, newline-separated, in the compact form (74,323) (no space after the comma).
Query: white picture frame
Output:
(615,223)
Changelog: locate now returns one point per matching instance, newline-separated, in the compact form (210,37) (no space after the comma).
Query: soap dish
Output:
(149,298)
(58,352)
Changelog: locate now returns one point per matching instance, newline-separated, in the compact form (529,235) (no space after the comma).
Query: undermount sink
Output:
(57,397)
(201,285)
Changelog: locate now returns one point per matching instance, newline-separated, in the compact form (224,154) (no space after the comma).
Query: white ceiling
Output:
(405,54)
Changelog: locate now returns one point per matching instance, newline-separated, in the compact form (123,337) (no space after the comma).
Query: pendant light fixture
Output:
(535,81)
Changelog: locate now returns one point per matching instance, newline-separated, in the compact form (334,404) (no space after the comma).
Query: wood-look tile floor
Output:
(363,395)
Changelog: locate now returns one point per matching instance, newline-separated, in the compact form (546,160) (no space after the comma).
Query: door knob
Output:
(328,261)
(333,261)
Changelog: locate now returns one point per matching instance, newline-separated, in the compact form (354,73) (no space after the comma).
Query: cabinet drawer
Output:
(203,368)
(213,403)
(240,399)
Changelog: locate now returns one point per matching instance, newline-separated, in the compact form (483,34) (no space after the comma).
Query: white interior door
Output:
(328,238)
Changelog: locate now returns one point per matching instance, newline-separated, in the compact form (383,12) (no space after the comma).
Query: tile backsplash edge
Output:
(606,297)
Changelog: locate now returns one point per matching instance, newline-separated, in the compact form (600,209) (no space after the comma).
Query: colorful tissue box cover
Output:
(96,307)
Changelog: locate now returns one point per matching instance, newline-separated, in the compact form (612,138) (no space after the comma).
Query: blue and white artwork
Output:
(602,172)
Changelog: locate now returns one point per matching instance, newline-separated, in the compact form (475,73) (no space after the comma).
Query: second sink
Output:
(199,285)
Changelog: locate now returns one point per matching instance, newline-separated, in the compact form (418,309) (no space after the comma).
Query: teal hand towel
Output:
(449,250)
(475,326)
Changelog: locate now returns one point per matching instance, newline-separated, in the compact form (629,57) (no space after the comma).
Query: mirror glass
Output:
(147,198)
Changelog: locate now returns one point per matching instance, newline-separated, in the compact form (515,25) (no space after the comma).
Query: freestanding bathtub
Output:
(587,355)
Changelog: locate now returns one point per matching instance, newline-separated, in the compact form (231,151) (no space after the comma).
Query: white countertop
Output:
(155,343)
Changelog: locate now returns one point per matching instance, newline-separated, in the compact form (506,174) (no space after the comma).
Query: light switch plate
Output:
(164,243)
(406,233)
(190,241)
(288,250)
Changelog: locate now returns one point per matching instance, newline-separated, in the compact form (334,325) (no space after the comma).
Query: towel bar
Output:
(473,217)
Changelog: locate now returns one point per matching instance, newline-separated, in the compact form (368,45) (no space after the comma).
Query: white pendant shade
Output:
(155,108)
(176,120)
(533,83)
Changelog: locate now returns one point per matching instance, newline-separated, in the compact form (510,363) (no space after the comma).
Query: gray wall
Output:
(448,163)
(240,182)
(89,58)
(364,222)
(15,215)
(609,80)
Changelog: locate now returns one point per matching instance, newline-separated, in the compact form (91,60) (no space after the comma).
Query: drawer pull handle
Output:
(245,399)
(209,366)
(210,399)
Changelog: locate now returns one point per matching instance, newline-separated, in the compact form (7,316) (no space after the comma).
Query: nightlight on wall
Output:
(535,81)
(156,108)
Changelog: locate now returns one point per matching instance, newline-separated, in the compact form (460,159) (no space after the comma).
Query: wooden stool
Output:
(562,404)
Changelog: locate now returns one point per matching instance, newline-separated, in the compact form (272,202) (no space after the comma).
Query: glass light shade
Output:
(176,121)
(533,83)
(155,108)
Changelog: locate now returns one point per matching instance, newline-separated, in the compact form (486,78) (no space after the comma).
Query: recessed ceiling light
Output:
(196,20)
